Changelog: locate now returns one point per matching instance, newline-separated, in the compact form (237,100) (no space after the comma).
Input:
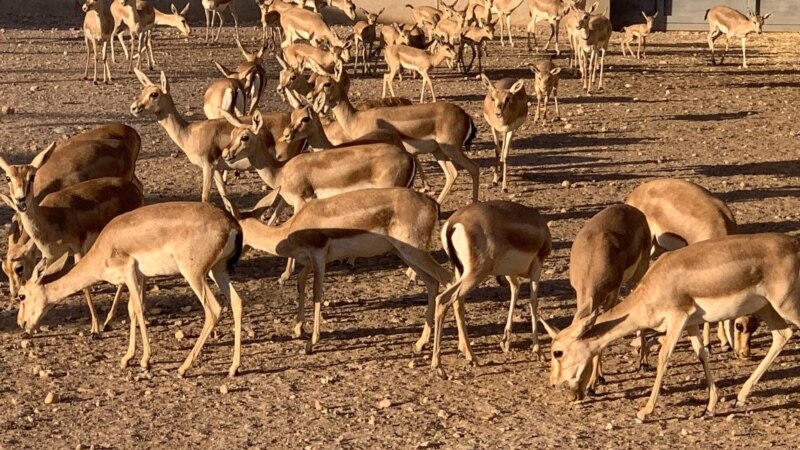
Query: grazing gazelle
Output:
(639,32)
(612,249)
(682,213)
(711,281)
(733,24)
(177,19)
(545,84)
(443,129)
(505,109)
(499,238)
(299,56)
(98,28)
(391,220)
(215,8)
(299,23)
(194,240)
(405,57)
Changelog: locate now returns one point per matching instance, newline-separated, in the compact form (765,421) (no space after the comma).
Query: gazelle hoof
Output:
(440,373)
(738,404)
(726,347)
(95,336)
(123,363)
(505,345)
(416,348)
(309,348)
(708,413)
(233,371)
(641,416)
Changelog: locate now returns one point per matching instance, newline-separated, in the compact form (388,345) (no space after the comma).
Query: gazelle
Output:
(549,10)
(731,276)
(251,75)
(505,109)
(639,32)
(201,141)
(475,38)
(364,37)
(443,129)
(224,95)
(733,24)
(391,220)
(98,28)
(139,23)
(393,34)
(504,9)
(681,213)
(299,23)
(404,57)
(611,249)
(570,20)
(215,8)
(498,238)
(478,12)
(299,55)
(345,6)
(67,221)
(545,84)
(270,25)
(592,37)
(186,238)
(20,256)
(177,19)
(425,17)
(449,28)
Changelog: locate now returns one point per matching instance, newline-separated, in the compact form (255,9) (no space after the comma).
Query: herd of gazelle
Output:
(82,199)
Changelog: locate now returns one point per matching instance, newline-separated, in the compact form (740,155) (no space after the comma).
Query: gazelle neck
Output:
(82,275)
(264,237)
(438,57)
(625,318)
(345,114)
(267,167)
(173,123)
(35,224)
(319,138)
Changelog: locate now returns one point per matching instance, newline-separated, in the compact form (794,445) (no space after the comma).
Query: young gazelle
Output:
(682,213)
(201,141)
(404,57)
(549,10)
(612,249)
(570,20)
(190,239)
(442,129)
(499,238)
(733,24)
(592,38)
(67,221)
(545,84)
(364,36)
(505,109)
(392,220)
(98,28)
(215,8)
(732,276)
(224,95)
(639,32)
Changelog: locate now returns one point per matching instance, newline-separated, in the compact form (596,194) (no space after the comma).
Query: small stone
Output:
(186,308)
(684,432)
(566,183)
(385,403)
(44,374)
(568,126)
(223,389)
(155,288)
(50,398)
(34,88)
(317,405)
(442,414)
(371,420)
(411,364)
(155,311)
(730,417)
(180,335)
(7,110)
(609,426)
(23,344)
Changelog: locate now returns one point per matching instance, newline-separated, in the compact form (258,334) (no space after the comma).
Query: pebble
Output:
(223,389)
(609,426)
(186,309)
(23,344)
(385,403)
(156,311)
(179,335)
(566,183)
(50,398)
(7,110)
(568,126)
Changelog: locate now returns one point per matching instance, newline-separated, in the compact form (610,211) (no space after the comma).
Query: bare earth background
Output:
(671,115)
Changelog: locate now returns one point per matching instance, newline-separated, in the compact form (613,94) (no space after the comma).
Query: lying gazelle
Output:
(107,151)
(364,39)
(443,129)
(499,238)
(98,28)
(611,249)
(733,24)
(682,213)
(505,109)
(405,57)
(215,8)
(733,276)
(592,37)
(224,95)
(66,222)
(545,85)
(639,32)
(552,12)
(391,220)
(299,55)
(190,239)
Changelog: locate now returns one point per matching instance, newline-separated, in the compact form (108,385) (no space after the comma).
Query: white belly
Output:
(513,262)
(156,263)
(717,309)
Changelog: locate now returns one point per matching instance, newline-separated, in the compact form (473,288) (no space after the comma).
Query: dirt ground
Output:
(671,115)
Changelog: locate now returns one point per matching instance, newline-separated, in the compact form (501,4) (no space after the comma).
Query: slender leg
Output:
(217,175)
(674,330)
(212,311)
(639,47)
(450,175)
(506,147)
(302,278)
(555,101)
(644,46)
(513,283)
(94,54)
(222,279)
(727,45)
(235,21)
(144,363)
(88,56)
(427,77)
(780,336)
(744,53)
(318,262)
(123,363)
(497,153)
(700,350)
(209,18)
(207,176)
(508,28)
(602,66)
(544,109)
(221,22)
(707,336)
(110,315)
(121,37)
(106,69)
(533,305)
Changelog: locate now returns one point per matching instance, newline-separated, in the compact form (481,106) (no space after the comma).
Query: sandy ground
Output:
(671,115)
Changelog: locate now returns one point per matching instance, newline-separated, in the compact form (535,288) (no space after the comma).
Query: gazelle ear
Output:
(338,70)
(318,104)
(281,62)
(587,324)
(142,77)
(173,8)
(233,120)
(186,8)
(655,15)
(7,200)
(225,72)
(768,15)
(258,122)
(42,157)
(487,83)
(593,7)
(750,12)
(4,165)
(380,12)
(164,83)
(516,87)
(552,331)
(556,71)
(45,267)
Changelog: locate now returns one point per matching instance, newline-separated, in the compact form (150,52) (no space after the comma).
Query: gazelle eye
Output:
(558,354)
(8,179)
(739,327)
(245,138)
(154,95)
(305,120)
(18,270)
(21,297)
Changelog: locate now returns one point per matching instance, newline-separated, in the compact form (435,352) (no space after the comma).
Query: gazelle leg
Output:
(744,53)
(508,28)
(123,363)
(212,311)
(300,318)
(88,56)
(427,77)
(221,22)
(223,281)
(94,54)
(497,154)
(209,19)
(450,175)
(602,66)
(110,315)
(780,336)
(318,262)
(555,101)
(544,109)
(707,336)
(513,283)
(727,45)
(504,157)
(533,305)
(106,68)
(674,330)
(700,350)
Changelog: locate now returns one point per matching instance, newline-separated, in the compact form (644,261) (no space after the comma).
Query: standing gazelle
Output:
(499,238)
(639,32)
(592,37)
(215,8)
(505,109)
(98,27)
(711,281)
(733,24)
(400,57)
(190,239)
(545,84)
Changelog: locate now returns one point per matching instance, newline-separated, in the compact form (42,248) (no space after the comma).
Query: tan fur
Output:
(98,28)
(639,32)
(550,10)
(545,84)
(592,37)
(224,95)
(733,24)
(504,9)
(215,8)
(364,37)
(505,109)
(298,23)
(405,57)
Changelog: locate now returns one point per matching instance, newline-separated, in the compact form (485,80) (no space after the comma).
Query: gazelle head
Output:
(329,90)
(303,123)
(743,329)
(20,258)
(346,6)
(372,18)
(20,180)
(583,17)
(251,57)
(91,5)
(758,20)
(178,19)
(33,301)
(650,19)
(501,98)
(244,138)
(153,98)
(342,52)
(545,80)
(571,364)
(287,78)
